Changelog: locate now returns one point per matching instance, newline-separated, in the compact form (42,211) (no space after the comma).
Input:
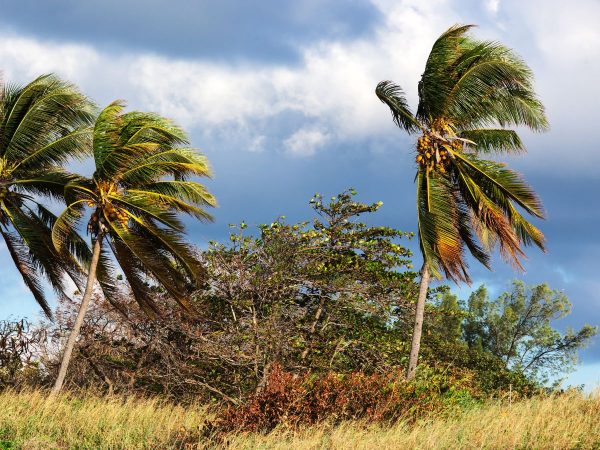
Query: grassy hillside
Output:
(31,421)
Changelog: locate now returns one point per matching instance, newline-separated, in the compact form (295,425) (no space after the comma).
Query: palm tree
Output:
(469,93)
(135,194)
(42,125)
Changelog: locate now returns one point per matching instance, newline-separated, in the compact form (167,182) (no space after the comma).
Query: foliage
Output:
(494,379)
(517,327)
(470,91)
(291,401)
(324,297)
(20,344)
(139,185)
(42,125)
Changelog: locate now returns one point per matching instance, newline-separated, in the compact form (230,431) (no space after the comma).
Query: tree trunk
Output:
(85,303)
(419,313)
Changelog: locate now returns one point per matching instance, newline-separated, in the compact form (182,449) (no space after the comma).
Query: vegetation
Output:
(42,125)
(30,420)
(516,327)
(470,91)
(136,190)
(317,300)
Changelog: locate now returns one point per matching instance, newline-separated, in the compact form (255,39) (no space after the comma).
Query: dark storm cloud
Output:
(259,30)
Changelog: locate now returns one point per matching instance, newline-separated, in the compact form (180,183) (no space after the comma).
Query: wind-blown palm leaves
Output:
(42,125)
(139,186)
(469,93)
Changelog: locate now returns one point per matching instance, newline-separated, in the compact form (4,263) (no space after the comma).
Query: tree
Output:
(474,328)
(517,327)
(136,192)
(42,125)
(451,317)
(312,298)
(469,93)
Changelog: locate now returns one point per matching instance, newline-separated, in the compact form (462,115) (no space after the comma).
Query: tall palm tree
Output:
(470,93)
(42,125)
(135,194)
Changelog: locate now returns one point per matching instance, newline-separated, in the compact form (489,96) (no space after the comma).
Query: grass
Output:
(31,421)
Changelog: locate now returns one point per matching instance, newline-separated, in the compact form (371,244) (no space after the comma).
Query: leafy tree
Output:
(42,125)
(315,297)
(470,91)
(474,326)
(517,327)
(451,317)
(136,192)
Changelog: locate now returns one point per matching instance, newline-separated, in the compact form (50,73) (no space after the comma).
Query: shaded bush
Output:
(19,348)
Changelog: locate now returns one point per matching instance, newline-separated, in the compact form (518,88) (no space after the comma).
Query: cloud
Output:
(492,6)
(265,30)
(333,84)
(306,141)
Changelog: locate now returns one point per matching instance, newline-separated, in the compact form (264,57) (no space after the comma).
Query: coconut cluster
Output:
(432,151)
(110,214)
(115,214)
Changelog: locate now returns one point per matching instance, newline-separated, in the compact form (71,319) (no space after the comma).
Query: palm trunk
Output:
(419,313)
(85,303)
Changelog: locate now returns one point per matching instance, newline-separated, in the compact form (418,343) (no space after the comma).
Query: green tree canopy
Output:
(42,125)
(518,327)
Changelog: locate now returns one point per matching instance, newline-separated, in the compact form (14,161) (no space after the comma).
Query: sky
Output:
(280,97)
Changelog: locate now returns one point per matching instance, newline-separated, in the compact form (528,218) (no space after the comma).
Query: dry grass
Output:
(31,421)
(564,422)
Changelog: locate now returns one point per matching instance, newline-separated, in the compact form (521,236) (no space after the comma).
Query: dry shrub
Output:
(291,400)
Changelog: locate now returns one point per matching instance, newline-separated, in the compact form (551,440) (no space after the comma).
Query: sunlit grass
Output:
(32,421)
(564,422)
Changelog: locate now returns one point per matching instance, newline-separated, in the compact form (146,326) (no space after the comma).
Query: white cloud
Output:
(492,6)
(334,82)
(257,144)
(306,141)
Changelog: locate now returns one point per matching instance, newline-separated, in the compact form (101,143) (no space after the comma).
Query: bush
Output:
(290,400)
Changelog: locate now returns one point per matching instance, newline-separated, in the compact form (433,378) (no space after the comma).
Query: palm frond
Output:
(20,256)
(106,135)
(492,85)
(491,174)
(56,153)
(154,260)
(39,113)
(393,96)
(494,140)
(437,81)
(184,196)
(66,222)
(49,183)
(439,233)
(492,222)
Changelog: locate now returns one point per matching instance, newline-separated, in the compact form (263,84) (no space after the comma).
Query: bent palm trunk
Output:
(85,303)
(419,313)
